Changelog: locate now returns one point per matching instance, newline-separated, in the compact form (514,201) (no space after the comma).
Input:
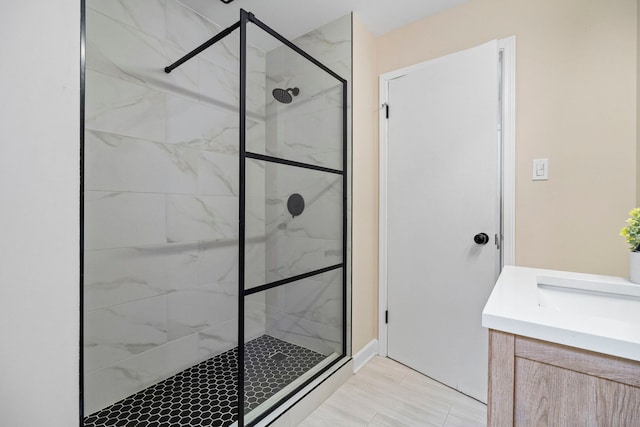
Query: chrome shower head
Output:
(283,95)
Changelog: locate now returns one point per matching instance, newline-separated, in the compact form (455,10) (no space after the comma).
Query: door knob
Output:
(481,238)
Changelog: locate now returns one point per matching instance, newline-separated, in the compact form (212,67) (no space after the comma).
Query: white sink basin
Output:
(592,312)
(613,301)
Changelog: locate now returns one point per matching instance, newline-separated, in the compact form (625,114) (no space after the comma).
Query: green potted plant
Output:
(631,233)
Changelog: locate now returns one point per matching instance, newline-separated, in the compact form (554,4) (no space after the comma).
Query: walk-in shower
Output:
(215,217)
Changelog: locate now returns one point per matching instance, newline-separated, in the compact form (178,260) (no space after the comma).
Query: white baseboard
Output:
(367,353)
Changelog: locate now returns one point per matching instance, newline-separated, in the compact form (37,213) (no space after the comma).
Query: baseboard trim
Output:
(367,353)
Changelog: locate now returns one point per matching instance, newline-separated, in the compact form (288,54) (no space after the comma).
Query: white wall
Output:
(39,212)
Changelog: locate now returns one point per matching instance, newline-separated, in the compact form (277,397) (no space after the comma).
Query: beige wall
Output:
(365,188)
(576,105)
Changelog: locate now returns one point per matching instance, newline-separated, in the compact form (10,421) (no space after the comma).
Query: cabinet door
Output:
(550,396)
(546,395)
(617,404)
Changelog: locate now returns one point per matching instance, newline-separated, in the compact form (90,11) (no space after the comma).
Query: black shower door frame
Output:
(245,18)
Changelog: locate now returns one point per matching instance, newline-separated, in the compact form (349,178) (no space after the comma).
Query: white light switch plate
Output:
(540,169)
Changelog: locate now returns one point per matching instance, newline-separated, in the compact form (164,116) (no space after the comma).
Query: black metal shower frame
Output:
(245,18)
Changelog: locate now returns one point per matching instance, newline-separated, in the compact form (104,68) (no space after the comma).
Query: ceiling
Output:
(293,18)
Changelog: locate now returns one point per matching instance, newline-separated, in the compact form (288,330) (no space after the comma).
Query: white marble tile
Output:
(255,181)
(314,336)
(255,136)
(256,98)
(333,98)
(256,65)
(317,299)
(225,53)
(219,86)
(218,338)
(144,15)
(200,126)
(322,217)
(333,158)
(322,192)
(255,217)
(331,45)
(274,299)
(308,131)
(116,276)
(168,359)
(290,256)
(255,228)
(118,332)
(218,174)
(310,128)
(224,336)
(113,383)
(117,106)
(114,281)
(278,72)
(183,80)
(255,242)
(120,163)
(192,218)
(255,259)
(217,261)
(333,252)
(192,310)
(187,30)
(114,220)
(308,312)
(123,52)
(286,68)
(254,316)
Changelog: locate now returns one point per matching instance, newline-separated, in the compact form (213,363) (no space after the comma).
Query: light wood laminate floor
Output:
(386,393)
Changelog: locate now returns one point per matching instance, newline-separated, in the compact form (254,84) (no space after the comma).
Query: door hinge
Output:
(386,316)
(498,239)
(386,109)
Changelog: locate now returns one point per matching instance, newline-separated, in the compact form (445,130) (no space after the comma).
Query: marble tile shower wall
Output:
(308,312)
(161,196)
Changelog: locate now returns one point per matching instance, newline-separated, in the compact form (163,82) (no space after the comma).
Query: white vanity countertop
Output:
(597,313)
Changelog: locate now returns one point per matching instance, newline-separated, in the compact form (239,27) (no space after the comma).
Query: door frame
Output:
(507,188)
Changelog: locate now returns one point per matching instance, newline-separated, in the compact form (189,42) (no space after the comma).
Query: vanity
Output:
(564,349)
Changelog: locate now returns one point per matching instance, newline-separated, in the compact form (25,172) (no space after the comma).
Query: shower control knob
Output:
(481,238)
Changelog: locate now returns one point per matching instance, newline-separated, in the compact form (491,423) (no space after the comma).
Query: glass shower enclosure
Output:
(293,178)
(215,221)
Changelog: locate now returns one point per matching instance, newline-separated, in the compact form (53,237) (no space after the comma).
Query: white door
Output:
(442,191)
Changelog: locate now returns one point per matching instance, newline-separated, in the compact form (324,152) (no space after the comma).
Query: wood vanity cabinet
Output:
(538,383)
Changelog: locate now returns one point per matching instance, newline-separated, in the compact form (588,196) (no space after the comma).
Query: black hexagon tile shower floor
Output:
(205,394)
